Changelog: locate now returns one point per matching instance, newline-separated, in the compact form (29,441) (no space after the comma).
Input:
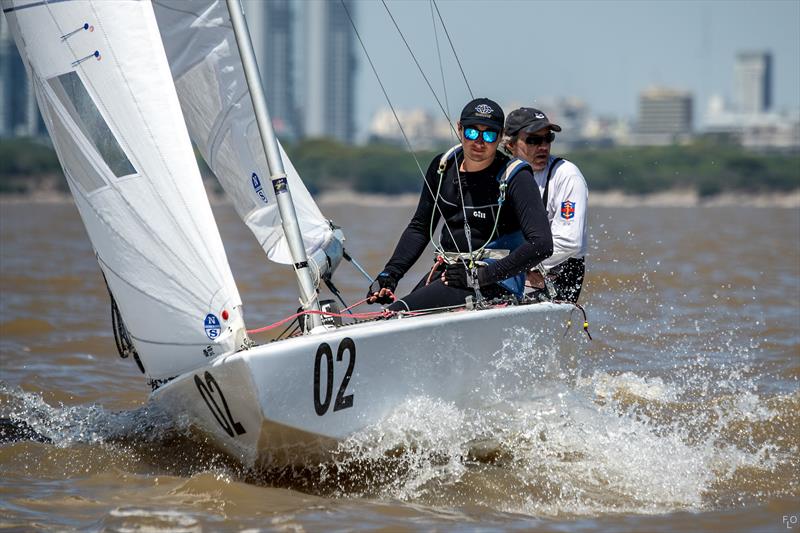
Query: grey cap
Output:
(528,119)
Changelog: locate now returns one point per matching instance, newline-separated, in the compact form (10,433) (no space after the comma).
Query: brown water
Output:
(682,414)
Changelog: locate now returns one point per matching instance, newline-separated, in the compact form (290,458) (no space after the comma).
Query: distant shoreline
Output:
(674,198)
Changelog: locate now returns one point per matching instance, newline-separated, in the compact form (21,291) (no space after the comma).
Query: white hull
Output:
(275,403)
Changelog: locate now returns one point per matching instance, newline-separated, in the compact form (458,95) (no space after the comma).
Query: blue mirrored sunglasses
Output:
(489,136)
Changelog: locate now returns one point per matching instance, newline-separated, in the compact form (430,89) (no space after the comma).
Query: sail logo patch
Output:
(567,210)
(212,326)
(258,188)
(280,186)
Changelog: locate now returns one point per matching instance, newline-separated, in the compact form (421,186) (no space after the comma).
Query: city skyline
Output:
(604,53)
(687,46)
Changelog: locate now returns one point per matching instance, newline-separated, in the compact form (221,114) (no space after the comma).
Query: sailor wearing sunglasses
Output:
(492,234)
(529,134)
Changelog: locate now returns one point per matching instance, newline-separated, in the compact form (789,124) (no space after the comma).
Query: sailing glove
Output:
(385,280)
(455,275)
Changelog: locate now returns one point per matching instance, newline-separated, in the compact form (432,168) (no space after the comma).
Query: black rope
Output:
(335,292)
(122,339)
(123,352)
(295,323)
(585,320)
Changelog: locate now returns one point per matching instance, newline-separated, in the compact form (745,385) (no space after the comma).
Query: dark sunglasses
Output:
(536,140)
(489,136)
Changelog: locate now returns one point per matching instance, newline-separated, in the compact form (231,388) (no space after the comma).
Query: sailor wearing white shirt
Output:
(529,135)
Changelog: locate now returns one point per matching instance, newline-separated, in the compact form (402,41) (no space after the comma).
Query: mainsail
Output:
(207,69)
(107,97)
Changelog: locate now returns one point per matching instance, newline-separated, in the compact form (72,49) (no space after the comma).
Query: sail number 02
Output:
(343,401)
(208,390)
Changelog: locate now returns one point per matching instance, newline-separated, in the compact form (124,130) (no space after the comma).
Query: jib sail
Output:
(107,97)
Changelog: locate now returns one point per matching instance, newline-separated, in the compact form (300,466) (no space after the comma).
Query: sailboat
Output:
(124,88)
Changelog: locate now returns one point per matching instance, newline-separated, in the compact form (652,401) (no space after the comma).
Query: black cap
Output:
(528,119)
(483,111)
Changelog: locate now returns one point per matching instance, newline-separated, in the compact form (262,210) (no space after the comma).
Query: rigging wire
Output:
(419,67)
(400,125)
(383,88)
(453,48)
(441,65)
(467,231)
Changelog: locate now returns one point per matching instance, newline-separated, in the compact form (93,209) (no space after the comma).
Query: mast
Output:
(308,293)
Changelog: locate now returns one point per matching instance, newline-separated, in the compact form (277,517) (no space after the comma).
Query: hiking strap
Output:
(556,161)
(514,166)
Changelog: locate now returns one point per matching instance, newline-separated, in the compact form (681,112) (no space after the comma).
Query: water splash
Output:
(609,444)
(549,439)
(65,426)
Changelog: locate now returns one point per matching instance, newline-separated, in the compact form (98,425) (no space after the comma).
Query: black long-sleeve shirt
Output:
(522,210)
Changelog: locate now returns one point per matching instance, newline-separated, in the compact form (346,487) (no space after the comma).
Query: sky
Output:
(522,52)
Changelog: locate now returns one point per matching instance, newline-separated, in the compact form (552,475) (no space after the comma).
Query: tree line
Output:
(325,165)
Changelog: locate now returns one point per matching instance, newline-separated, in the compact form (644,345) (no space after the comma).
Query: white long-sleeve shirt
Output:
(567,205)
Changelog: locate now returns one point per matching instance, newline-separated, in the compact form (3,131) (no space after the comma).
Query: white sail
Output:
(206,66)
(107,97)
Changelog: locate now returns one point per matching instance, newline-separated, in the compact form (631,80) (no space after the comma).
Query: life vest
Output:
(499,247)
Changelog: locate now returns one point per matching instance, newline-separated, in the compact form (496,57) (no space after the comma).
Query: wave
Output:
(558,445)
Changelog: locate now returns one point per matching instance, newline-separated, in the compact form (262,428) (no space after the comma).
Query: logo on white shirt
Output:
(567,210)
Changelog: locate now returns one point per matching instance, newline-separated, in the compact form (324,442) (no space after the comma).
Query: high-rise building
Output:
(8,57)
(272,32)
(665,115)
(752,122)
(329,103)
(753,88)
(19,114)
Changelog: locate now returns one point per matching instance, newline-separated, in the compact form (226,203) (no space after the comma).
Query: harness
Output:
(491,250)
(550,171)
(548,283)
